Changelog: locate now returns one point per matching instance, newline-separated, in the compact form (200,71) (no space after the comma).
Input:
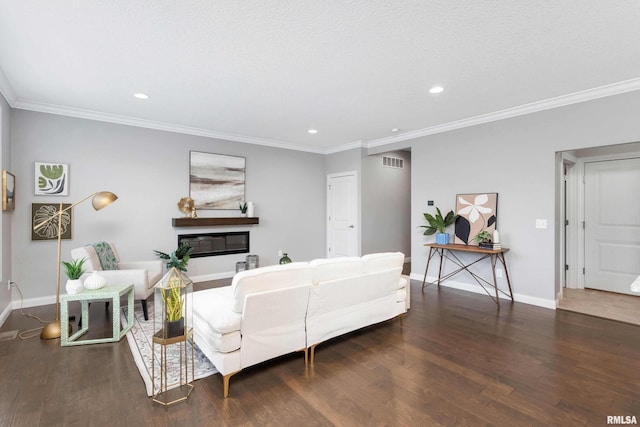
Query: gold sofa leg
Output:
(313,353)
(225,383)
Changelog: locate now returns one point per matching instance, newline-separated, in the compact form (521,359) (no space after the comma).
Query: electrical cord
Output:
(29,333)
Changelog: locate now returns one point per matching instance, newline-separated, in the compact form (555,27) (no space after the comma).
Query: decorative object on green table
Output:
(178,258)
(74,271)
(99,200)
(94,281)
(484,239)
(285,259)
(438,224)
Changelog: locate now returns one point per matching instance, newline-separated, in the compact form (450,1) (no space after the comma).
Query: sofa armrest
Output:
(405,282)
(153,267)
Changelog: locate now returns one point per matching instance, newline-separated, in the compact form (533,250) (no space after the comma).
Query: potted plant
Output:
(178,258)
(438,224)
(75,270)
(173,300)
(483,239)
(243,208)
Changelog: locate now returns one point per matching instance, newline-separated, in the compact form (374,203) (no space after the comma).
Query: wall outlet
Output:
(9,284)
(498,273)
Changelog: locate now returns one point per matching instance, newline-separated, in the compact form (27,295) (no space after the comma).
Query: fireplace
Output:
(213,244)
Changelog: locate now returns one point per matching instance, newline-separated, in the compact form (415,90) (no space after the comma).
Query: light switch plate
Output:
(541,223)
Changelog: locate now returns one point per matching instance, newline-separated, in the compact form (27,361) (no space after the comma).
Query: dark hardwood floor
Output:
(455,361)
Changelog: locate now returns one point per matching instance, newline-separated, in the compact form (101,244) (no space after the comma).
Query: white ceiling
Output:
(266,71)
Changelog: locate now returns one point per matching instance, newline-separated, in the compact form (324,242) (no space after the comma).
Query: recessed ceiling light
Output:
(140,95)
(436,89)
(313,131)
(395,130)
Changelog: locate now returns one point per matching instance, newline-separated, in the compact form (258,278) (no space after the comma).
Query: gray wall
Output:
(149,171)
(5,217)
(520,165)
(386,205)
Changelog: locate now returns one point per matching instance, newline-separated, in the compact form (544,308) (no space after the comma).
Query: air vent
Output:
(392,162)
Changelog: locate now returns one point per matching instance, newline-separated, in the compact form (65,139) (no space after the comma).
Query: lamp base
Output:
(52,331)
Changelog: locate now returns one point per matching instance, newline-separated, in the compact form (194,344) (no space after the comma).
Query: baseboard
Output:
(526,299)
(212,276)
(5,313)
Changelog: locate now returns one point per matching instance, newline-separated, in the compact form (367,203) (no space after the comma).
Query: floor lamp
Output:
(100,200)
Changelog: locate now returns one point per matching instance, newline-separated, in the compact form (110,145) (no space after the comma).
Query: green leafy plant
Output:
(178,258)
(483,237)
(172,299)
(243,207)
(438,223)
(74,269)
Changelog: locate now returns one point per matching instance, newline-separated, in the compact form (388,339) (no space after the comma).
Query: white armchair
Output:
(143,274)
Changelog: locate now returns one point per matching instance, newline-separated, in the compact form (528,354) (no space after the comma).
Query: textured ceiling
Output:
(266,71)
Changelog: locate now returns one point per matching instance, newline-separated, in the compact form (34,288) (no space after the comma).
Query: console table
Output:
(449,252)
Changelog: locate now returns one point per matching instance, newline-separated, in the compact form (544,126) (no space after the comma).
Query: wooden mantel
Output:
(209,222)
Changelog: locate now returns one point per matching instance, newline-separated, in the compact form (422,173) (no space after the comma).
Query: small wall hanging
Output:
(8,191)
(51,179)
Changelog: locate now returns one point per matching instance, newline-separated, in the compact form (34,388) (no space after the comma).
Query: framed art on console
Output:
(477,212)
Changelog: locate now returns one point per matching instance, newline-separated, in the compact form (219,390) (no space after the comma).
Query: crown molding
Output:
(534,107)
(345,147)
(574,98)
(149,124)
(6,90)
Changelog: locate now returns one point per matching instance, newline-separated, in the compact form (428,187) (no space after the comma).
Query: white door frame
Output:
(575,213)
(357,204)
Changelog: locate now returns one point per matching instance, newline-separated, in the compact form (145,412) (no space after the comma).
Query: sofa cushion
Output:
(267,279)
(383,261)
(336,268)
(213,307)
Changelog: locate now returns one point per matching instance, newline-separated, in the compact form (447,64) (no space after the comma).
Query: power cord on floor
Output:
(30,332)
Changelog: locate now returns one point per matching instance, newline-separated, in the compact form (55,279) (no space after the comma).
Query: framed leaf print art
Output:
(477,212)
(51,179)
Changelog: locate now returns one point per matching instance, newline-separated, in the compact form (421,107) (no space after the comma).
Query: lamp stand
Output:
(53,329)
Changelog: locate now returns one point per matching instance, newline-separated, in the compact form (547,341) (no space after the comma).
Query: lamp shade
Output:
(103,199)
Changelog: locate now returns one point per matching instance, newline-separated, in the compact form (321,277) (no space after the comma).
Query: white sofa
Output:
(272,311)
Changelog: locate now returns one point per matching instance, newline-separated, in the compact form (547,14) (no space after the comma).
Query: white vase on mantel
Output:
(250,210)
(94,281)
(73,286)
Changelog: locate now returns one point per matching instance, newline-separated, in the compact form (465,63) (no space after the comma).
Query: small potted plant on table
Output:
(74,270)
(483,239)
(438,224)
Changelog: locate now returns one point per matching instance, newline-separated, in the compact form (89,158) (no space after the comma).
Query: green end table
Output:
(113,292)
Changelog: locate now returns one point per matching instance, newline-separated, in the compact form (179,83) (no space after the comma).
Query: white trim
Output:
(212,276)
(526,299)
(533,107)
(7,90)
(5,313)
(168,127)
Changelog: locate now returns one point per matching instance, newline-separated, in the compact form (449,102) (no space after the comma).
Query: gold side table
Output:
(173,326)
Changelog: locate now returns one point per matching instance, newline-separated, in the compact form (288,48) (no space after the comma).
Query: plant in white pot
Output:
(438,225)
(74,270)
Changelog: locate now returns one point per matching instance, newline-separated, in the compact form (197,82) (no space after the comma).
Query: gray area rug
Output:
(139,339)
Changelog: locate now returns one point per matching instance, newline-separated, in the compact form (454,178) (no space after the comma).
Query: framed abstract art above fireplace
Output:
(216,181)
(477,212)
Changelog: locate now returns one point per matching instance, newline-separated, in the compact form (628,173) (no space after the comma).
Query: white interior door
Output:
(342,216)
(612,224)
